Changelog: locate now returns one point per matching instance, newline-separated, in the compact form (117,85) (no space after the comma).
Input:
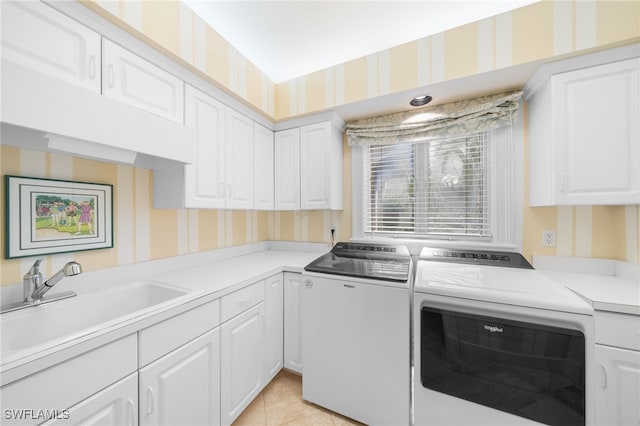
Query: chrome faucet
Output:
(34,288)
(40,288)
(31,280)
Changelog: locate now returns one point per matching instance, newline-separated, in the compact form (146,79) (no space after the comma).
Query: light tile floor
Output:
(281,403)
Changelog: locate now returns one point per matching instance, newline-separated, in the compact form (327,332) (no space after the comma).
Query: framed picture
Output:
(46,216)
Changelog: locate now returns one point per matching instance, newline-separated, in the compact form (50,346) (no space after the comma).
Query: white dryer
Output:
(497,343)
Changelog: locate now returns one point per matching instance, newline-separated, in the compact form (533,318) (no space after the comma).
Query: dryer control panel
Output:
(476,257)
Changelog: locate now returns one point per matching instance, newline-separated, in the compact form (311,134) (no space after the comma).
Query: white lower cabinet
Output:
(274,335)
(292,321)
(182,388)
(618,388)
(46,394)
(242,361)
(189,369)
(115,405)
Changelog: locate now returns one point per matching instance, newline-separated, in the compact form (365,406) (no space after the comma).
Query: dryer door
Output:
(530,370)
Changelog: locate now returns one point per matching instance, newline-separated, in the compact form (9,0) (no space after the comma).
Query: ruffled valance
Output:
(453,119)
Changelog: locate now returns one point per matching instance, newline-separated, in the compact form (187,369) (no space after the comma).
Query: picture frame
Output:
(47,216)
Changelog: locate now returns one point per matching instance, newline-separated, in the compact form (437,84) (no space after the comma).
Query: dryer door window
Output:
(530,370)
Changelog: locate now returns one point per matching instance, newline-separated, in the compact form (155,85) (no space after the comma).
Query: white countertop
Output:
(208,277)
(608,285)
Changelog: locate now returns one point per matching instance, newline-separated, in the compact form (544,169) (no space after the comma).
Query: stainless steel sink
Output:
(65,320)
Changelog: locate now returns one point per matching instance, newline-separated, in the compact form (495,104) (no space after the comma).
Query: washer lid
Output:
(375,261)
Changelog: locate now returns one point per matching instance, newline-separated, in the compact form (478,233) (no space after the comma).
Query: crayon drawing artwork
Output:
(63,216)
(45,216)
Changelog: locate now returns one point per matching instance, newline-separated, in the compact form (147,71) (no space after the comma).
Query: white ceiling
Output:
(288,39)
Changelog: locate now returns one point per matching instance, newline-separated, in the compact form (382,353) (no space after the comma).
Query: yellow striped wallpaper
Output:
(541,31)
(142,233)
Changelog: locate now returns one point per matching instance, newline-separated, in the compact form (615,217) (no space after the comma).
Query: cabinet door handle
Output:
(561,178)
(149,400)
(603,385)
(230,190)
(92,67)
(221,191)
(111,80)
(130,413)
(264,323)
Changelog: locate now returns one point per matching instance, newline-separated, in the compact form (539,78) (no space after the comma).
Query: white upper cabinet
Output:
(203,179)
(287,170)
(308,162)
(52,93)
(222,174)
(132,80)
(40,38)
(263,167)
(320,167)
(585,136)
(239,164)
(201,184)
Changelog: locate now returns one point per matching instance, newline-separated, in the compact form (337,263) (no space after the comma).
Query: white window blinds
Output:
(430,189)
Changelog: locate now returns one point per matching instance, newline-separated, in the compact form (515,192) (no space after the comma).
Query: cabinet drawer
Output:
(65,384)
(170,334)
(618,330)
(241,300)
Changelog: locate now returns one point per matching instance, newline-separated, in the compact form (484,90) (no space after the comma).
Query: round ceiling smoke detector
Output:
(420,100)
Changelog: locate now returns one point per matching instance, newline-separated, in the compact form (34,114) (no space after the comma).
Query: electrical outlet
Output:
(548,238)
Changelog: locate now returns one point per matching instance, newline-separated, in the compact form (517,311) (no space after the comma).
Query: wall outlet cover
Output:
(548,238)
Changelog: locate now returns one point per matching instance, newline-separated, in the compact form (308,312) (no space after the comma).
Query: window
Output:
(430,189)
(465,188)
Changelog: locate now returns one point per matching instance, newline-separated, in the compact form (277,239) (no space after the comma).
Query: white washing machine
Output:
(356,332)
(497,343)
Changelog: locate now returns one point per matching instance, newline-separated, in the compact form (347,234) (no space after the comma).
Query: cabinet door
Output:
(263,167)
(292,321)
(239,155)
(275,322)
(618,388)
(242,362)
(183,387)
(39,37)
(115,405)
(595,132)
(287,170)
(130,79)
(314,166)
(204,179)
